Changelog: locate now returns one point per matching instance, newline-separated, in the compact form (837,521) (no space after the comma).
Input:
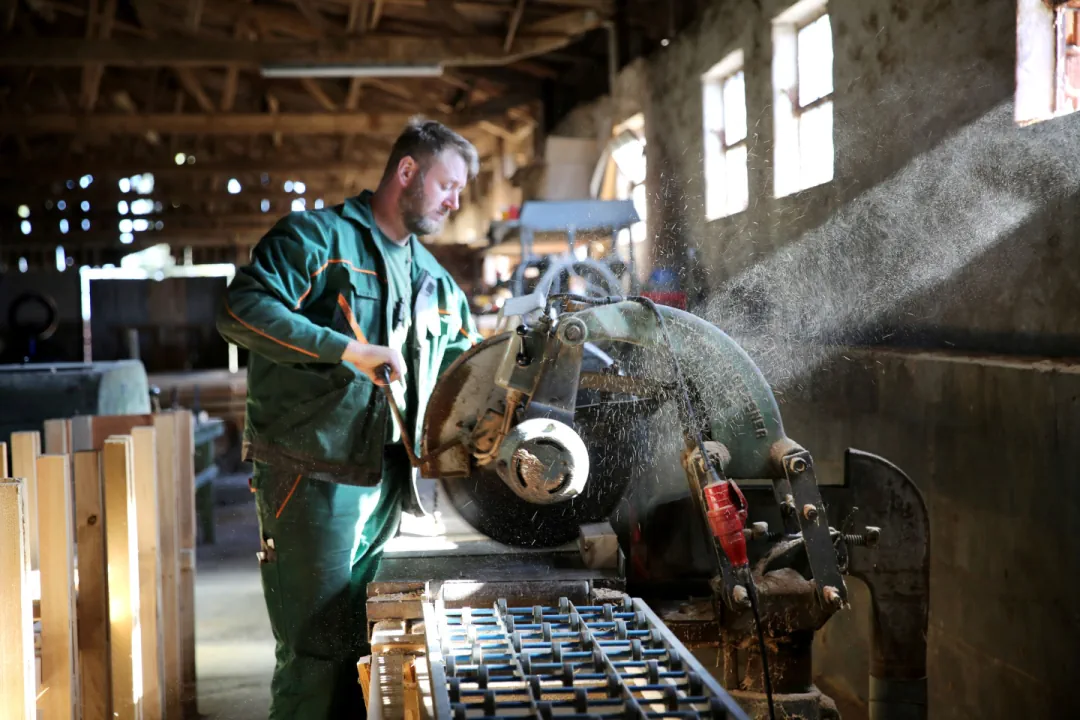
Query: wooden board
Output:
(168,498)
(25,448)
(122,546)
(92,608)
(146,500)
(59,686)
(185,481)
(17,675)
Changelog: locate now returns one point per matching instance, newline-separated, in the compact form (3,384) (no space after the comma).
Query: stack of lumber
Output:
(97,557)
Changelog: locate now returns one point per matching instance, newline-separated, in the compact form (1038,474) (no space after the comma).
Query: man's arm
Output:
(261,310)
(467,336)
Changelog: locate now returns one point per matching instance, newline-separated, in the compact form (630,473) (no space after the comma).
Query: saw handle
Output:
(383,372)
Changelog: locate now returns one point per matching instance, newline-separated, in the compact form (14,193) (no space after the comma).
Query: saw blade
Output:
(483,500)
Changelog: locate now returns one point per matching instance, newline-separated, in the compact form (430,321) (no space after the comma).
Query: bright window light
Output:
(85,180)
(85,205)
(140,225)
(125,185)
(318,203)
(122,207)
(288,186)
(234,186)
(300,188)
(125,225)
(143,184)
(64,226)
(127,238)
(25,227)
(23,265)
(85,224)
(265,205)
(61,258)
(298,205)
(62,205)
(24,211)
(180,158)
(142,207)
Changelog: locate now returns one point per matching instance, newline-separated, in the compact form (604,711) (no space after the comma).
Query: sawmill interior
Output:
(579,359)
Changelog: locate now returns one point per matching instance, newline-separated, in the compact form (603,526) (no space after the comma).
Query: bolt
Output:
(869,538)
(832,597)
(740,596)
(573,333)
(809,512)
(796,465)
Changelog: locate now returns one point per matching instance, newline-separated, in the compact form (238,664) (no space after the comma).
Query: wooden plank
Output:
(463,50)
(146,500)
(58,630)
(3,460)
(92,606)
(25,448)
(185,487)
(17,675)
(58,437)
(167,470)
(123,561)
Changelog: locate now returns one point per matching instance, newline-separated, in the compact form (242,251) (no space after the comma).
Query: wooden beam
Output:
(92,74)
(515,21)
(315,90)
(194,88)
(358,15)
(198,52)
(445,11)
(237,123)
(105,167)
(314,17)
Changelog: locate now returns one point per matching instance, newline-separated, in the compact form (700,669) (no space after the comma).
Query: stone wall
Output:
(946,228)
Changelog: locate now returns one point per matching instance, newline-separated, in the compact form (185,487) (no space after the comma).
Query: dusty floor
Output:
(234,648)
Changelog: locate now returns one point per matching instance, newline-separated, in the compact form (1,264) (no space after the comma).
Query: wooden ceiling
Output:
(94,91)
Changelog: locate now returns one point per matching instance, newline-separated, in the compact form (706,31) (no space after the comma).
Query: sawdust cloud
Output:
(910,237)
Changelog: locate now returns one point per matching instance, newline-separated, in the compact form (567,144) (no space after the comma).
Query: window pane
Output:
(816,145)
(738,194)
(735,108)
(815,60)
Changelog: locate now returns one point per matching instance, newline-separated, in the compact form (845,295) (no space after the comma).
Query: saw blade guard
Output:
(605,373)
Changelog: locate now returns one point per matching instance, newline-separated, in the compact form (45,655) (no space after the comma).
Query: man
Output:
(330,296)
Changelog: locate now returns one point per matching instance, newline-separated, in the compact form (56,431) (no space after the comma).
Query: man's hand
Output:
(367,359)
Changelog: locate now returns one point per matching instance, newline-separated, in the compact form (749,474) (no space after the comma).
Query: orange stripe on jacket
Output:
(328,263)
(344,304)
(257,331)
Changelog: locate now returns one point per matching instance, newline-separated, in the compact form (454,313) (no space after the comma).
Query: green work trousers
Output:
(321,545)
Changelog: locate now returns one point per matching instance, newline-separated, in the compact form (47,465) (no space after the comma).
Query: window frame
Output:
(714,81)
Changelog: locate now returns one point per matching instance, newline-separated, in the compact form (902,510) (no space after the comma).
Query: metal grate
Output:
(566,662)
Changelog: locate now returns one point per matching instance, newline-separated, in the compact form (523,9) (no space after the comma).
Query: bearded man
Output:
(328,298)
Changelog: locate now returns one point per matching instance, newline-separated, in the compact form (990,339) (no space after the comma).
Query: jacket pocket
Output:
(359,310)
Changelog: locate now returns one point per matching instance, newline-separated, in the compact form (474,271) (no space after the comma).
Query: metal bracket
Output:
(809,512)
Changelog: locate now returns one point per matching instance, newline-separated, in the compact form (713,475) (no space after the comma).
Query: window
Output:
(723,95)
(1047,60)
(1067,56)
(803,85)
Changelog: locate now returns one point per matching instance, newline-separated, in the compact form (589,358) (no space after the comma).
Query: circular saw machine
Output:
(650,418)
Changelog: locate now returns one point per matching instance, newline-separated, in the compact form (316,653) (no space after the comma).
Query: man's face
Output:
(434,193)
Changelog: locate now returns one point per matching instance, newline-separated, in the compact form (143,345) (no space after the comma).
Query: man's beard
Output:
(411,206)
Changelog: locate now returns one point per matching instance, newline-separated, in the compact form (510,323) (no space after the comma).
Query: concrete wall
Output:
(945,227)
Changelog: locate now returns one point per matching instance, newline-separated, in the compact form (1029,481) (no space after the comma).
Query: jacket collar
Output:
(358,208)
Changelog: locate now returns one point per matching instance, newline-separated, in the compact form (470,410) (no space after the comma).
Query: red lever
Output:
(727,520)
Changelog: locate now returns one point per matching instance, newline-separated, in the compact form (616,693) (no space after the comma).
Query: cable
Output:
(692,420)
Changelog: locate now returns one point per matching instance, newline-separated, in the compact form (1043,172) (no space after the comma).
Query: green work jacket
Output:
(316,281)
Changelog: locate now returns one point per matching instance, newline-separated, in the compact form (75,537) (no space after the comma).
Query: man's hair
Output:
(423,139)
